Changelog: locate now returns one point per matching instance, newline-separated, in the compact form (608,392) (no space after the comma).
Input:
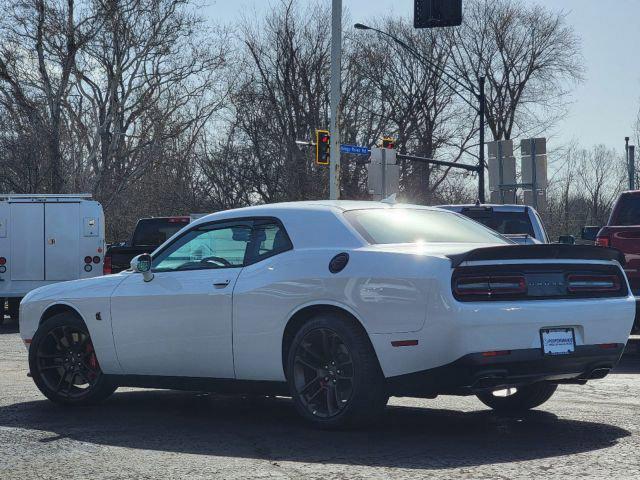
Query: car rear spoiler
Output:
(553,251)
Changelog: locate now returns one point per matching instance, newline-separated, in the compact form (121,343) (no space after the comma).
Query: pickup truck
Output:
(148,235)
(520,223)
(622,231)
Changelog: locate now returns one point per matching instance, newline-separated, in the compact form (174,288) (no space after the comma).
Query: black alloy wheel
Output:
(323,373)
(67,362)
(63,362)
(333,373)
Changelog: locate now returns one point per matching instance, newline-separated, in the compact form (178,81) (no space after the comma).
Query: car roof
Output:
(329,228)
(273,209)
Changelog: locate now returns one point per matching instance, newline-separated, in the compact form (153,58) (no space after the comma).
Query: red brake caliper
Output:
(92,361)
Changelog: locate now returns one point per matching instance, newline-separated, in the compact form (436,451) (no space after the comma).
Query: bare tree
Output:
(145,105)
(413,102)
(282,97)
(583,189)
(40,43)
(530,57)
(149,76)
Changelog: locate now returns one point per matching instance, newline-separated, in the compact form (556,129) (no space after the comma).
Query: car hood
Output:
(88,287)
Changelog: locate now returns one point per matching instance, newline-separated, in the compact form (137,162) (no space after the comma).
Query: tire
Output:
(341,386)
(525,398)
(63,364)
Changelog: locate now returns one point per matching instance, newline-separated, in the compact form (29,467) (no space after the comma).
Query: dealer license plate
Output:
(558,341)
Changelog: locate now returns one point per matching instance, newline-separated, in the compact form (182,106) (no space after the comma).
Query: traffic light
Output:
(388,142)
(323,147)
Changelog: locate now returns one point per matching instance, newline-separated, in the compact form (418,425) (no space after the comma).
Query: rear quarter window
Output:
(406,225)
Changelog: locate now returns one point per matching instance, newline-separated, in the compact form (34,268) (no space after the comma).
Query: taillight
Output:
(490,285)
(578,283)
(3,260)
(96,259)
(87,259)
(496,353)
(603,241)
(106,266)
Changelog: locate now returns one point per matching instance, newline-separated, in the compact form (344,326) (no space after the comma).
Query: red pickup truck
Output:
(623,232)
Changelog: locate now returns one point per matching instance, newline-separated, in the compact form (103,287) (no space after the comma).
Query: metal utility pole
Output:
(626,159)
(336,61)
(384,173)
(632,167)
(481,114)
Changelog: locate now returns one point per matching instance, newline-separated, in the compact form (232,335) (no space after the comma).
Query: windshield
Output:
(405,225)
(507,223)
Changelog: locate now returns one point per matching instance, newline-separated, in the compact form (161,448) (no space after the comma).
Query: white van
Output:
(46,239)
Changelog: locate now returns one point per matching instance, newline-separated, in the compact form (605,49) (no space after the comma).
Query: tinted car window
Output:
(206,248)
(627,212)
(269,238)
(404,225)
(155,231)
(508,223)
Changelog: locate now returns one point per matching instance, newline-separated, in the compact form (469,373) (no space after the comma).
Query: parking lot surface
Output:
(588,432)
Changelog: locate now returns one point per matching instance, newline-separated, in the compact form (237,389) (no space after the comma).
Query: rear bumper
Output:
(475,373)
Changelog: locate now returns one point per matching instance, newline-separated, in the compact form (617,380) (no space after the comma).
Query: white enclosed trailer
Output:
(46,239)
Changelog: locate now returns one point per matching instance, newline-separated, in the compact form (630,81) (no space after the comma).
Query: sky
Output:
(604,107)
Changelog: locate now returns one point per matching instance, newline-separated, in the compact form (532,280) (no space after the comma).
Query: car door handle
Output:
(222,284)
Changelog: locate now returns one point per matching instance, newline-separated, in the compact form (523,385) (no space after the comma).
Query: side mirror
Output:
(567,239)
(142,264)
(590,233)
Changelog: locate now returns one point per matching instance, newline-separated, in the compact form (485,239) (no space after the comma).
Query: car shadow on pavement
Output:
(628,364)
(414,438)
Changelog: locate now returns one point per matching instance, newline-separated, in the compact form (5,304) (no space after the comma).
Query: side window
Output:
(269,238)
(206,247)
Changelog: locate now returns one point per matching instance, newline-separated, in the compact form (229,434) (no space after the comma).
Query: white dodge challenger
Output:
(338,305)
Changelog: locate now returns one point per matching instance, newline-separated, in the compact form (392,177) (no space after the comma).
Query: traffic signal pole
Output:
(481,114)
(336,57)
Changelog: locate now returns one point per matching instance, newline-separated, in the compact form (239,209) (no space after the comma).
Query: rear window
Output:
(627,212)
(507,223)
(154,231)
(405,225)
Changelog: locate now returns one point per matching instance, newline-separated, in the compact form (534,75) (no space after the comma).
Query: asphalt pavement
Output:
(582,432)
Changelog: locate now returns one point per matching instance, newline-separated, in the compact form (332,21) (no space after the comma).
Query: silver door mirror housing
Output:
(142,264)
